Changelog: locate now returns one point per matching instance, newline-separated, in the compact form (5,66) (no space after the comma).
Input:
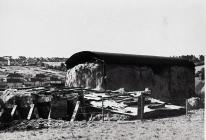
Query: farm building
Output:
(14,80)
(15,76)
(14,83)
(170,79)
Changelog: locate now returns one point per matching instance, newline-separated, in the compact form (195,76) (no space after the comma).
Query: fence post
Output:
(30,112)
(75,111)
(13,110)
(108,116)
(102,109)
(142,106)
(138,107)
(186,106)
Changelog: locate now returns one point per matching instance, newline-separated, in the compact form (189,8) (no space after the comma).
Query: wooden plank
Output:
(138,108)
(126,99)
(49,116)
(102,109)
(186,102)
(13,110)
(75,111)
(90,119)
(142,106)
(30,111)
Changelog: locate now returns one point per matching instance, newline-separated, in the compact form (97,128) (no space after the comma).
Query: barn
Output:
(170,79)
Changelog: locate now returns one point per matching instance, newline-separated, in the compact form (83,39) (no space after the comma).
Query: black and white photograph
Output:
(102,69)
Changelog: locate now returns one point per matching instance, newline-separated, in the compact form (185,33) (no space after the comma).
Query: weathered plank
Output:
(30,111)
(102,109)
(13,110)
(49,116)
(75,111)
(186,104)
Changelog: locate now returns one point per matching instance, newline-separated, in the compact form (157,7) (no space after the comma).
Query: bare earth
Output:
(174,128)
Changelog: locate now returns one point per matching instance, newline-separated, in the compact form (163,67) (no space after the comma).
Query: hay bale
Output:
(87,75)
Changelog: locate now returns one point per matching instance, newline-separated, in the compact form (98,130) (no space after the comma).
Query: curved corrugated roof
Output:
(124,59)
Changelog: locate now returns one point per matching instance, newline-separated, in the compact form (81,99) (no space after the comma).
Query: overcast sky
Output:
(63,27)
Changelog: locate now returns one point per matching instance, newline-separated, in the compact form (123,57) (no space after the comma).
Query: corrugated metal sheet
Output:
(125,59)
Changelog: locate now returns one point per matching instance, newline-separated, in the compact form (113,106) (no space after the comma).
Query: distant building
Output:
(54,81)
(14,83)
(42,77)
(15,76)
(3,83)
(34,82)
(14,80)
(38,81)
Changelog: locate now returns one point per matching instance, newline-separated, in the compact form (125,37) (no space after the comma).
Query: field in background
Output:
(181,127)
(32,71)
(54,63)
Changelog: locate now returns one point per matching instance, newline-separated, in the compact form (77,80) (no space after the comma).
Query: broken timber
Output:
(125,103)
(75,111)
(30,111)
(13,110)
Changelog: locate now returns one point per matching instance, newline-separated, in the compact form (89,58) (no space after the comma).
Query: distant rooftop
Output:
(14,75)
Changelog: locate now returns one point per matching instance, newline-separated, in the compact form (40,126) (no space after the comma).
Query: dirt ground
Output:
(173,128)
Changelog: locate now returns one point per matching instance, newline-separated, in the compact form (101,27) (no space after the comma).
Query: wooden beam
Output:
(142,106)
(13,110)
(102,109)
(30,111)
(186,104)
(49,116)
(75,111)
(90,119)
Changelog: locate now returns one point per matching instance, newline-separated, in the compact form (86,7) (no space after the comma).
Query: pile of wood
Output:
(77,104)
(136,104)
(37,103)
